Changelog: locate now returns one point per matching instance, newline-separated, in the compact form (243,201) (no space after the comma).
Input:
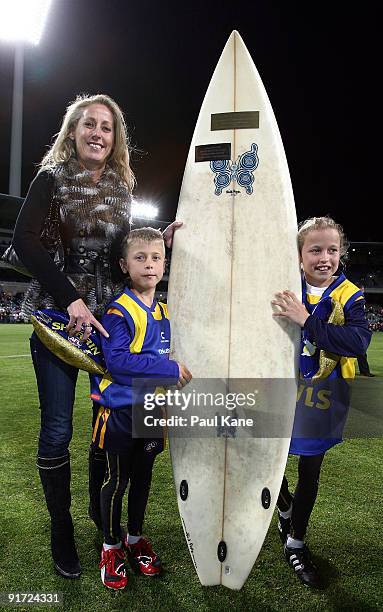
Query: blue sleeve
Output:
(124,365)
(349,340)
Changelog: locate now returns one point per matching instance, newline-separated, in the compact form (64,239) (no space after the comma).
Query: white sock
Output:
(132,539)
(287,513)
(293,543)
(110,546)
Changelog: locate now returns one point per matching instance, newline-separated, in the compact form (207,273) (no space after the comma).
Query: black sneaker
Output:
(284,527)
(304,568)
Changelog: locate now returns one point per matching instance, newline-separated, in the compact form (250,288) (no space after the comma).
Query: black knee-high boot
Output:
(97,465)
(56,485)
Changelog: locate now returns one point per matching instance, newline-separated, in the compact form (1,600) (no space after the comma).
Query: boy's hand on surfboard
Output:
(291,307)
(185,376)
(168,233)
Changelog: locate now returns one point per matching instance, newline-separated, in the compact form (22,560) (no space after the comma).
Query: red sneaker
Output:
(142,557)
(113,572)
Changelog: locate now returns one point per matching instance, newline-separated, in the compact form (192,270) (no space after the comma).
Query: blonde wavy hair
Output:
(317,223)
(63,147)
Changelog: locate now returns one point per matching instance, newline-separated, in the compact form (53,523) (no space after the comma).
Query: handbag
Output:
(50,238)
(50,326)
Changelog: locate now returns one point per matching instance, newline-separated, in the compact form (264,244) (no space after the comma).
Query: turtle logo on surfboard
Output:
(240,171)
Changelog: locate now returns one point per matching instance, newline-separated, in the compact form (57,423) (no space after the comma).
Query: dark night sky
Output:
(319,63)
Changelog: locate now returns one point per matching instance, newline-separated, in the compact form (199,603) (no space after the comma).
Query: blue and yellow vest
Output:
(323,391)
(149,331)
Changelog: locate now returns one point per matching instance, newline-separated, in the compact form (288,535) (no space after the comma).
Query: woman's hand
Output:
(81,319)
(168,233)
(184,377)
(291,307)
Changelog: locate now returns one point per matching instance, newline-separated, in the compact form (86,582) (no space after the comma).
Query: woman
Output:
(86,176)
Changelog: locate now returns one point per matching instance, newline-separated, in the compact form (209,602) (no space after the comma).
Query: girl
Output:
(334,331)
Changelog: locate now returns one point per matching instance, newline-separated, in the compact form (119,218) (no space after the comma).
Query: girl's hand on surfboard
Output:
(291,307)
(185,376)
(168,233)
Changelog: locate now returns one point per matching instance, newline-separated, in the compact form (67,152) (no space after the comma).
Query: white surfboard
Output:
(236,249)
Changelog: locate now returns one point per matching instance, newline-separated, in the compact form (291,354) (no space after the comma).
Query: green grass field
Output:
(345,532)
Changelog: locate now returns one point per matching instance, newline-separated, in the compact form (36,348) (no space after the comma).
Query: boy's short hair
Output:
(144,234)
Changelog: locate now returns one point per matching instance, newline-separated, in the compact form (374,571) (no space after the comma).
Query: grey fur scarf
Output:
(100,212)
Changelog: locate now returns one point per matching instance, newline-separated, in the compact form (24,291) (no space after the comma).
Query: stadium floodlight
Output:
(21,21)
(144,210)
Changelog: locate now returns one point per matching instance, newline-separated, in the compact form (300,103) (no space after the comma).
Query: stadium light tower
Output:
(21,21)
(143,210)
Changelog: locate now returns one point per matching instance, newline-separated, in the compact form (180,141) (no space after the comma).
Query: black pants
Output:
(304,496)
(364,368)
(136,466)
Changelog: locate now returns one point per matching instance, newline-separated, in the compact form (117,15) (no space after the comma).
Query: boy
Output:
(138,346)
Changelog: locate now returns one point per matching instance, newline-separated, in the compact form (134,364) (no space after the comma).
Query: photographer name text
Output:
(196,421)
